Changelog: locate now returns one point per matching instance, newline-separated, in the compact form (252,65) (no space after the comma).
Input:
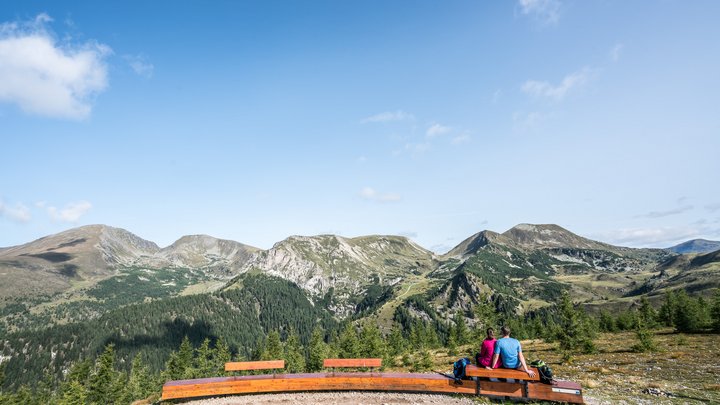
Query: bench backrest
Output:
(254,365)
(475,371)
(334,363)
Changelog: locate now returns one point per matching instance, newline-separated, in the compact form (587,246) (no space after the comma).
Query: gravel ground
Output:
(341,398)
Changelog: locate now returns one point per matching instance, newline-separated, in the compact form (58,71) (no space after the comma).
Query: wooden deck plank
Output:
(563,391)
(327,363)
(401,382)
(254,365)
(475,371)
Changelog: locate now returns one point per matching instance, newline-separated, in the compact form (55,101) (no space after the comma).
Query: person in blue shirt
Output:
(510,351)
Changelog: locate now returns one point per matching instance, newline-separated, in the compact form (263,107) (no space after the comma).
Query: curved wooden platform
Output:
(562,391)
(401,382)
(521,387)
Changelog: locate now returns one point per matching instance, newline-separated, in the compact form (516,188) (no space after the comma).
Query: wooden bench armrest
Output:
(254,365)
(475,371)
(335,363)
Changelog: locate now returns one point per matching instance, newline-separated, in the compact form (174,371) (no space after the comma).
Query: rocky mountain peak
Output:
(472,244)
(549,236)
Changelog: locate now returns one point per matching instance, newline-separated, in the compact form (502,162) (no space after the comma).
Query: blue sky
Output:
(254,121)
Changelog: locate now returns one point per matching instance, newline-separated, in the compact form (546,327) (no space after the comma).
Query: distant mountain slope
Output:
(696,246)
(53,263)
(531,236)
(346,271)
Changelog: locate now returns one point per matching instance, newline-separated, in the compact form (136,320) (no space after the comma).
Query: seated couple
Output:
(505,350)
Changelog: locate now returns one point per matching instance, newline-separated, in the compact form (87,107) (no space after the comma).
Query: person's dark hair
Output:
(490,333)
(505,330)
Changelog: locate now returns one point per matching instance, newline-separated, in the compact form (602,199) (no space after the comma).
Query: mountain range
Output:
(530,263)
(63,297)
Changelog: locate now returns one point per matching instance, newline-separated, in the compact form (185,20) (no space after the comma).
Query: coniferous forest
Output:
(128,353)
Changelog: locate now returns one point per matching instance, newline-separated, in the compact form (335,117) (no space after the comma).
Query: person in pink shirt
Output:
(487,349)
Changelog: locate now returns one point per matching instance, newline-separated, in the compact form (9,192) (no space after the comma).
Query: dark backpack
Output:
(459,368)
(546,375)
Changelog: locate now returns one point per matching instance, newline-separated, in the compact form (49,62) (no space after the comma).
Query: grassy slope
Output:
(687,366)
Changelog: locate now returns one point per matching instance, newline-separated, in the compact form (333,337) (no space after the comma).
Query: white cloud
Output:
(17,213)
(437,130)
(615,52)
(460,139)
(47,78)
(545,89)
(545,11)
(667,213)
(388,116)
(369,193)
(713,207)
(70,213)
(417,148)
(140,65)
(527,121)
(654,237)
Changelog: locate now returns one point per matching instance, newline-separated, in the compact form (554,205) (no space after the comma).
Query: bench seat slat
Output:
(254,365)
(328,363)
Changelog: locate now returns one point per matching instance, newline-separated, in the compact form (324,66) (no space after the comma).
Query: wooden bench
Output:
(524,389)
(351,363)
(255,365)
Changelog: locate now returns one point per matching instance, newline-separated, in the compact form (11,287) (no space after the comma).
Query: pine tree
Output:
(486,316)
(204,365)
(715,312)
(222,356)
(103,378)
(668,309)
(140,383)
(185,358)
(607,322)
(647,313)
(574,333)
(318,350)
(424,363)
(179,364)
(371,341)
(273,347)
(294,353)
(688,313)
(646,343)
(349,345)
(461,329)
(452,341)
(74,394)
(396,341)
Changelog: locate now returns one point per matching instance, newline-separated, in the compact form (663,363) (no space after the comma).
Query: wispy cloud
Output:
(460,139)
(70,213)
(557,92)
(667,213)
(655,237)
(616,51)
(46,78)
(140,65)
(545,11)
(388,116)
(713,207)
(526,121)
(409,234)
(437,130)
(370,194)
(18,213)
